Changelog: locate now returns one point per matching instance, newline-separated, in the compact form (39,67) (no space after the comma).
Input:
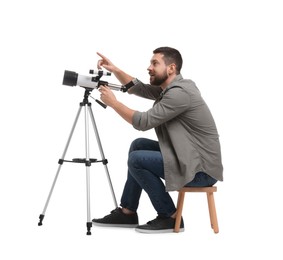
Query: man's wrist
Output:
(115,105)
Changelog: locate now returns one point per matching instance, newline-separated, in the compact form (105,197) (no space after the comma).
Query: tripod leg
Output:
(102,155)
(41,217)
(88,163)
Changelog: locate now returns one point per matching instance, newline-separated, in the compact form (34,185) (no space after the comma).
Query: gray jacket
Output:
(185,129)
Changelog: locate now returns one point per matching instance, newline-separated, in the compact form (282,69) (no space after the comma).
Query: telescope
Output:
(72,78)
(89,83)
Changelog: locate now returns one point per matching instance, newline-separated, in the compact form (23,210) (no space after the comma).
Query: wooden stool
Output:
(211,205)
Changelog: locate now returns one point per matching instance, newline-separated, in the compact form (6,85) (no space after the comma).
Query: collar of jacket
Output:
(171,85)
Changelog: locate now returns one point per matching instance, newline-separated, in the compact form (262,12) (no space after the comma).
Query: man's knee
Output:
(134,160)
(137,144)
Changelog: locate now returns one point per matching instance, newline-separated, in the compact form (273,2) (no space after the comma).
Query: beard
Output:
(158,80)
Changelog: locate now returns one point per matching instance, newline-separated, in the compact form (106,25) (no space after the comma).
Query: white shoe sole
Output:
(148,231)
(115,225)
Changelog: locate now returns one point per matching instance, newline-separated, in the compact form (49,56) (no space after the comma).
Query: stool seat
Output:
(211,205)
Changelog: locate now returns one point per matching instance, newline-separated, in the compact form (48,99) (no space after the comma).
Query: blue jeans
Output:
(145,172)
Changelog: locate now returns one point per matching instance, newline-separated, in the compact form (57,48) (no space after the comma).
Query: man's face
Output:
(157,70)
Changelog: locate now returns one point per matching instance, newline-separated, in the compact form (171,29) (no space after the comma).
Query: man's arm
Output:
(125,112)
(108,97)
(122,76)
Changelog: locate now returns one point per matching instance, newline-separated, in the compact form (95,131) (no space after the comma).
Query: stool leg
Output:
(180,203)
(212,212)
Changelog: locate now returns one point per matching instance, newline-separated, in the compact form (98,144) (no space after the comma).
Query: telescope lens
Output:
(70,78)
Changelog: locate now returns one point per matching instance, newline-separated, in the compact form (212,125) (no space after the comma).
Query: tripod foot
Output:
(41,217)
(88,225)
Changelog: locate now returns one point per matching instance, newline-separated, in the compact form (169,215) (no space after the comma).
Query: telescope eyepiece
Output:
(100,72)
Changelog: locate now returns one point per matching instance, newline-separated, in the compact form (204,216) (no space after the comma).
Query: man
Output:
(187,152)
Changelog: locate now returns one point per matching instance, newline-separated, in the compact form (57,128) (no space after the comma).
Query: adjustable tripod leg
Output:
(88,163)
(102,155)
(41,217)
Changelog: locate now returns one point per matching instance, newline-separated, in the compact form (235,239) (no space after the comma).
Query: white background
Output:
(231,49)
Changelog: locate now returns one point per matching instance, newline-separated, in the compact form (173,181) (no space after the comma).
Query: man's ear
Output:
(172,68)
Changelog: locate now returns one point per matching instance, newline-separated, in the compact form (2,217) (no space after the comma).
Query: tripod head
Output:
(72,78)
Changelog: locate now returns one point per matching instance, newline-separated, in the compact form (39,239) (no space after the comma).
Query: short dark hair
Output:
(171,55)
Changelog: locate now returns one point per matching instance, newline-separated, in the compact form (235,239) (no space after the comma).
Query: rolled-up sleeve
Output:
(174,102)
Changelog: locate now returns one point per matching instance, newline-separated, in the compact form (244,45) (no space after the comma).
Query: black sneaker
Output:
(160,225)
(118,219)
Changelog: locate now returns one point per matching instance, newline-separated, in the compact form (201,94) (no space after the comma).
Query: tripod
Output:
(87,161)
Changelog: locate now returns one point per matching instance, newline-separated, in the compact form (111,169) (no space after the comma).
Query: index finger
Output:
(102,56)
